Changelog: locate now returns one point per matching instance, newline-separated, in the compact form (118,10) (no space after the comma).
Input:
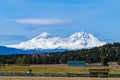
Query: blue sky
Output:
(21,20)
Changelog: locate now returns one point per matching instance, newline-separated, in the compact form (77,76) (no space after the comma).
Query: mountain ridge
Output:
(75,41)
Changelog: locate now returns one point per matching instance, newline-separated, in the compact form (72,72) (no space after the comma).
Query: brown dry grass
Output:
(43,68)
(53,78)
(51,68)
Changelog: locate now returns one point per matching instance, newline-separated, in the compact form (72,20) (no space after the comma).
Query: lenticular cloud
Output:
(41,21)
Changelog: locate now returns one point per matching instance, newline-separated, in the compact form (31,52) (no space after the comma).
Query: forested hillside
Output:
(104,54)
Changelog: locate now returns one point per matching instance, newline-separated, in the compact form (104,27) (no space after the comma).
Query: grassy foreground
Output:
(51,68)
(42,68)
(53,78)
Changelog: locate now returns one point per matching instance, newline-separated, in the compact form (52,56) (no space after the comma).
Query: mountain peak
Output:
(79,35)
(43,35)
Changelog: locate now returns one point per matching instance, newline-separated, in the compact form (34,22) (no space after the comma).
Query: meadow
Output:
(60,68)
(42,68)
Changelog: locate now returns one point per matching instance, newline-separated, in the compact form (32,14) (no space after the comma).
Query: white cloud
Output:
(44,21)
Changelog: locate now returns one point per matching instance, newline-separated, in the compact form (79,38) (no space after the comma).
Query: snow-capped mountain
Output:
(75,41)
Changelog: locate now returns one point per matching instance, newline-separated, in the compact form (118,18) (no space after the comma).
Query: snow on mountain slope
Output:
(77,40)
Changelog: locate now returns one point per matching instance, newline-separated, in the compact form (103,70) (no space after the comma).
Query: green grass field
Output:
(52,68)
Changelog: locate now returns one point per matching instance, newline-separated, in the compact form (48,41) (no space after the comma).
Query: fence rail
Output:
(54,74)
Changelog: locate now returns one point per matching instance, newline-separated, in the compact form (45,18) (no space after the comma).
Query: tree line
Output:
(103,54)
